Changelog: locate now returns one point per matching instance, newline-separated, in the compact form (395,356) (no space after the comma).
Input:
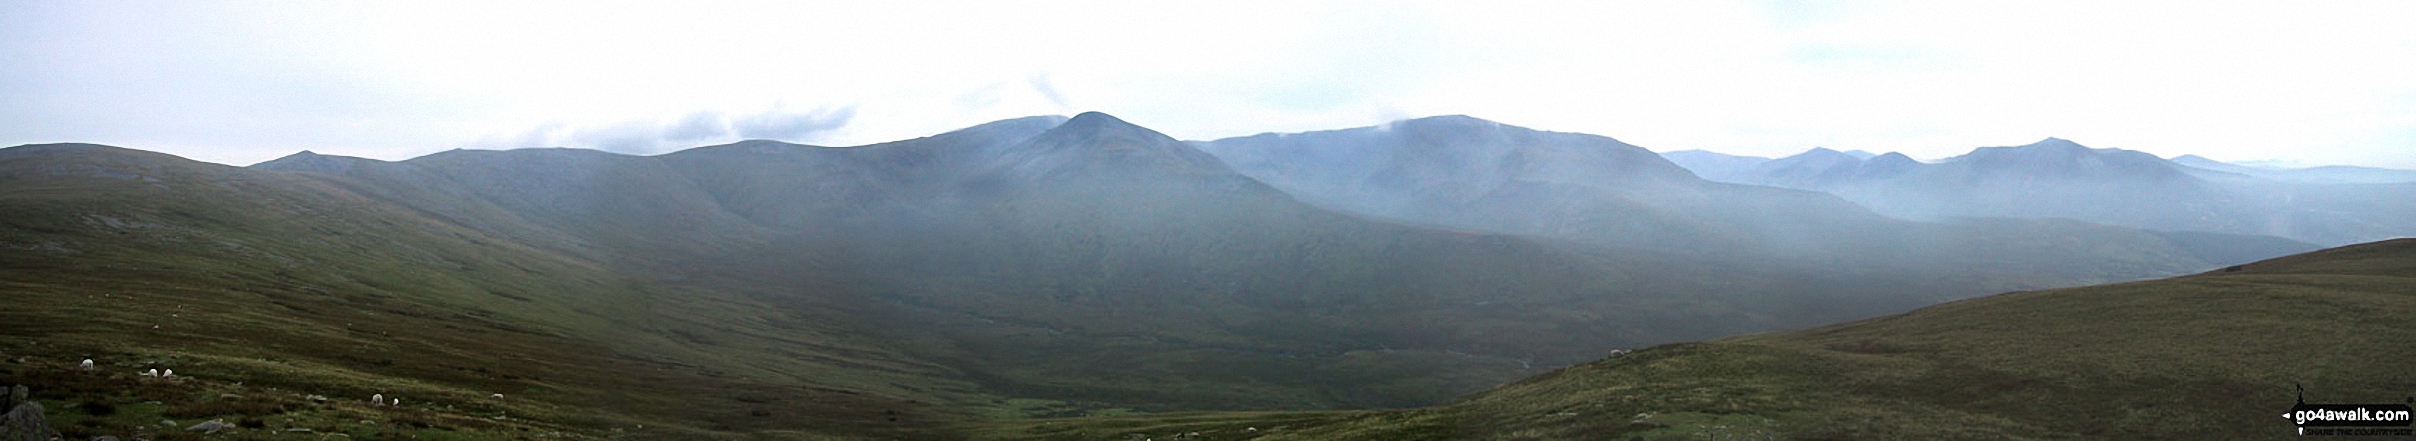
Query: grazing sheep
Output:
(377,399)
(86,366)
(397,402)
(496,396)
(153,372)
(167,373)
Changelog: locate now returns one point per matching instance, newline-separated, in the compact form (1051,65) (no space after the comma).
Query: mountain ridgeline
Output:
(2057,178)
(1042,266)
(1467,173)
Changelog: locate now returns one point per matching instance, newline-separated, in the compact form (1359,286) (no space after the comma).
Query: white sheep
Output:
(86,366)
(377,399)
(397,402)
(496,396)
(167,373)
(153,372)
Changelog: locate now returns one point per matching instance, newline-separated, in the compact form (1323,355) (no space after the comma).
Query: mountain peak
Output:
(1043,121)
(311,161)
(2056,143)
(1099,142)
(1101,125)
(2050,149)
(2066,159)
(1094,120)
(1442,122)
(1822,155)
(297,156)
(767,142)
(1809,165)
(1098,126)
(1453,119)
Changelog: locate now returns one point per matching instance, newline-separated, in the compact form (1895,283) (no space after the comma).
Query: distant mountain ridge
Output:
(2328,174)
(1469,173)
(2057,178)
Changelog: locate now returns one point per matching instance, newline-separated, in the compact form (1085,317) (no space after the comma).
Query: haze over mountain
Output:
(2057,178)
(1714,166)
(1025,267)
(2326,174)
(1469,173)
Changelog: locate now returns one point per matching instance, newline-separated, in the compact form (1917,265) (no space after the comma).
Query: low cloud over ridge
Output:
(650,136)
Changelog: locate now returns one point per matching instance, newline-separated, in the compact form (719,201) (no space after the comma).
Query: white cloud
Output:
(648,136)
(783,124)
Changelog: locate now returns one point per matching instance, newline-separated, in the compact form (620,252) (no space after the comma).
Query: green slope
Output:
(2209,356)
(272,286)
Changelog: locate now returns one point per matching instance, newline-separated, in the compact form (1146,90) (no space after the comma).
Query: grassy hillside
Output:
(2208,356)
(271,286)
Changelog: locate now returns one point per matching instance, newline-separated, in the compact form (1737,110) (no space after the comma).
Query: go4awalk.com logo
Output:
(2349,419)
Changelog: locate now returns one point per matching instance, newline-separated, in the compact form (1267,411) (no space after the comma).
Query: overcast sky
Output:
(243,82)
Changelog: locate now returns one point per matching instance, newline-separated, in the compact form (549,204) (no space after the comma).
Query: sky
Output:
(239,82)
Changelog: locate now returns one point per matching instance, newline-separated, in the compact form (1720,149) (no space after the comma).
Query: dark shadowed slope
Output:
(2209,356)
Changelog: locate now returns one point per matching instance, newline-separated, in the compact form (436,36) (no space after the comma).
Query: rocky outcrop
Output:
(24,421)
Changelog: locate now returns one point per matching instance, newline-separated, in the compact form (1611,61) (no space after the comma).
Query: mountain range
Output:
(2325,174)
(2056,178)
(1467,173)
(1042,266)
